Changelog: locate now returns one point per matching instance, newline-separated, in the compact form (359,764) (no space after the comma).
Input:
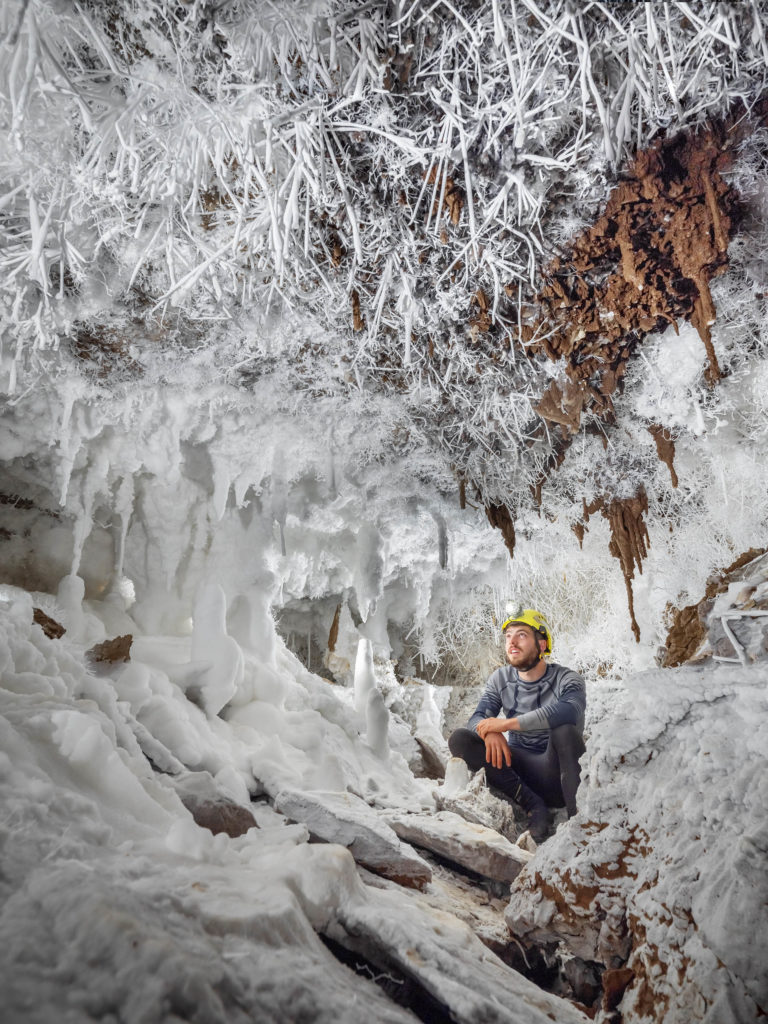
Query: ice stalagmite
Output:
(377,721)
(212,645)
(365,681)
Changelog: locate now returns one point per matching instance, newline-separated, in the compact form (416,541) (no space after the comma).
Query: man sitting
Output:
(537,763)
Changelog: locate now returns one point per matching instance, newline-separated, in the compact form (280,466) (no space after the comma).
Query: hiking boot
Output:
(539,817)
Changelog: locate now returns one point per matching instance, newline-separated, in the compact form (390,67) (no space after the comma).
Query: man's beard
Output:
(532,663)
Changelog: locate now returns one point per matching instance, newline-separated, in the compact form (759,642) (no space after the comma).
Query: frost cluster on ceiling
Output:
(377,225)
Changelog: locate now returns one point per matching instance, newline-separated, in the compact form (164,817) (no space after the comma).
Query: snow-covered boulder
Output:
(345,819)
(662,873)
(473,846)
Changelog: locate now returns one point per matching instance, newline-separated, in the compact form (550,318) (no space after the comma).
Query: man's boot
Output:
(539,818)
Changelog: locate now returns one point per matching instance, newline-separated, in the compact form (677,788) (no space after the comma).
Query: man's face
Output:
(521,645)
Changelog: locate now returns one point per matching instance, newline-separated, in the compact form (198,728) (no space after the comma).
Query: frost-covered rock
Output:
(347,820)
(471,798)
(663,870)
(467,982)
(473,846)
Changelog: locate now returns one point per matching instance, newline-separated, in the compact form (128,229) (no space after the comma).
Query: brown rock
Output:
(433,765)
(52,629)
(118,649)
(615,983)
(688,631)
(221,816)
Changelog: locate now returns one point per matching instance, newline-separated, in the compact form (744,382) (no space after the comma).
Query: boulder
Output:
(346,819)
(466,843)
(220,816)
(117,649)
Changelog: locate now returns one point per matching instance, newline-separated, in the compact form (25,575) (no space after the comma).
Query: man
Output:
(537,763)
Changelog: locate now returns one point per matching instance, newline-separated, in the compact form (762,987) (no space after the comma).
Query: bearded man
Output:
(531,754)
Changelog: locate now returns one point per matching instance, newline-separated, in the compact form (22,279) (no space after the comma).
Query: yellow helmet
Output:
(537,622)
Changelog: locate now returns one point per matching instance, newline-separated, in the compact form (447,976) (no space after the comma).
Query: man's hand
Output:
(497,750)
(490,725)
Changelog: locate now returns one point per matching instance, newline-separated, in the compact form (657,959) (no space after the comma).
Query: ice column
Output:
(377,722)
(365,681)
(213,647)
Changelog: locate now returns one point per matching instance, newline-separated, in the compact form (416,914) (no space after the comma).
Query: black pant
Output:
(552,773)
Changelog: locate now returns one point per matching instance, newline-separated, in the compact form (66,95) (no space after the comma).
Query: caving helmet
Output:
(536,621)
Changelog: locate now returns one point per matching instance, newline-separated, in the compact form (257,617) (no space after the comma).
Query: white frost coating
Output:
(212,648)
(365,678)
(112,897)
(377,723)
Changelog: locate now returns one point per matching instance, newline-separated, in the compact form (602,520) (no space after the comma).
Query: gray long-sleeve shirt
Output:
(558,698)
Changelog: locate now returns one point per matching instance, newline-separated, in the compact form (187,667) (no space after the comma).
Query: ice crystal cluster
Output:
(258,256)
(327,329)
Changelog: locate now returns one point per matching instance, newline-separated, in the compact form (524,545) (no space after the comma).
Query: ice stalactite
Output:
(442,541)
(123,508)
(365,680)
(213,648)
(279,496)
(369,569)
(221,486)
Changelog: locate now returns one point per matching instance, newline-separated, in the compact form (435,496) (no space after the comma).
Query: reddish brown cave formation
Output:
(333,635)
(499,517)
(629,538)
(688,630)
(647,262)
(665,448)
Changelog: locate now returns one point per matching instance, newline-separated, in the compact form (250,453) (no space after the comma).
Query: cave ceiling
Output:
(472,215)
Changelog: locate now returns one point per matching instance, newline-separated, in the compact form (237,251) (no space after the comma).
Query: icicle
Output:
(221,484)
(369,570)
(442,541)
(124,508)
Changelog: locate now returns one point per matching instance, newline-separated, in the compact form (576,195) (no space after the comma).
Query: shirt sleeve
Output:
(566,709)
(489,704)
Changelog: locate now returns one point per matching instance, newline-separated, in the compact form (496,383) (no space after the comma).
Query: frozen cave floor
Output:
(327,882)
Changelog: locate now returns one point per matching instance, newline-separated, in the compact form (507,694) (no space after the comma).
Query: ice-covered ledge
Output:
(663,869)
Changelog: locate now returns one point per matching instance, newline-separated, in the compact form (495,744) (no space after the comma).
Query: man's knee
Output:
(461,742)
(568,740)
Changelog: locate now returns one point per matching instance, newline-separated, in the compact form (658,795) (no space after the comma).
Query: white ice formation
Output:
(268,278)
